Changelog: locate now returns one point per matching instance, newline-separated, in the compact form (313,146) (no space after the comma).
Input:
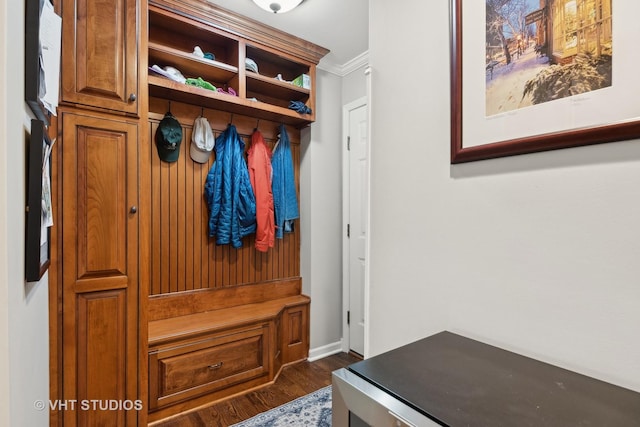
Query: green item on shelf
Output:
(303,81)
(200,83)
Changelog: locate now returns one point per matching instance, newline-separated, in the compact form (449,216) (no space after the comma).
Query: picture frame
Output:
(34,77)
(37,256)
(572,121)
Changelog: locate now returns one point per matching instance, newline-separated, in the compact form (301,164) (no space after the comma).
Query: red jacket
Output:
(260,174)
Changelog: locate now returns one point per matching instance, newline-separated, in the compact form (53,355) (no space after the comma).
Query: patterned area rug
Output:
(313,410)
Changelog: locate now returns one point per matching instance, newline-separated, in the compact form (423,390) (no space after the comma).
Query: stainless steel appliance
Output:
(450,380)
(358,403)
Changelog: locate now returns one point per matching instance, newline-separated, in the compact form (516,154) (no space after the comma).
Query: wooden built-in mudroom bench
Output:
(146,306)
(212,344)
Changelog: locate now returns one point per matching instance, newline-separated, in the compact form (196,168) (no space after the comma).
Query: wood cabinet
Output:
(187,369)
(200,357)
(177,27)
(221,320)
(100,54)
(295,333)
(99,266)
(98,178)
(112,343)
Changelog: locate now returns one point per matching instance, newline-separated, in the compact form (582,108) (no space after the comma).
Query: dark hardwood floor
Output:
(294,381)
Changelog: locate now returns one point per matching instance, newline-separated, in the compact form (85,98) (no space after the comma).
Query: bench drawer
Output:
(185,370)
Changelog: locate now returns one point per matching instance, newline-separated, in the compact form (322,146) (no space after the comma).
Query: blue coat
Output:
(285,199)
(228,192)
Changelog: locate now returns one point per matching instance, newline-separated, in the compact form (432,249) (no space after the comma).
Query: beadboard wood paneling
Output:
(183,257)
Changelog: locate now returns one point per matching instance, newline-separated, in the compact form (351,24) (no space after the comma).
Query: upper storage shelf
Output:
(220,79)
(190,64)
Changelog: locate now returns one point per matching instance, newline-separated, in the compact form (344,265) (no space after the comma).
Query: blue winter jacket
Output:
(228,192)
(285,201)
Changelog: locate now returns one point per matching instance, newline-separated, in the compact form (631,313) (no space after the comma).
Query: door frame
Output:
(346,109)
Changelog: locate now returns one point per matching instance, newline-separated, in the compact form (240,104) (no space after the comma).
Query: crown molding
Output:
(348,67)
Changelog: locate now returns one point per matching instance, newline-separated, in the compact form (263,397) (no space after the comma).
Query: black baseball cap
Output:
(169,138)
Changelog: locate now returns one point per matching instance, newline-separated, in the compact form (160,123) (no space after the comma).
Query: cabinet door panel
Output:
(295,334)
(100,270)
(100,61)
(188,369)
(102,363)
(101,196)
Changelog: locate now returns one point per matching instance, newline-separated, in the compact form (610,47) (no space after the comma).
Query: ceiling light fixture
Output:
(277,6)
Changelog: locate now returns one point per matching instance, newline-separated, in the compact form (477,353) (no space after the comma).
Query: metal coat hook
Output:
(257,125)
(231,119)
(169,106)
(202,112)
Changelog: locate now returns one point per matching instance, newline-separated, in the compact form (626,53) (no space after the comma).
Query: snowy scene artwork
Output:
(525,66)
(541,75)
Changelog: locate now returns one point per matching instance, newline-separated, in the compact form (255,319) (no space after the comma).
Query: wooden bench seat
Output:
(212,344)
(188,326)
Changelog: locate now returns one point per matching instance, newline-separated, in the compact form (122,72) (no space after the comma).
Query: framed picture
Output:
(34,71)
(536,75)
(38,209)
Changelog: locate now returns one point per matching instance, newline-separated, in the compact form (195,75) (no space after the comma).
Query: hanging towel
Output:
(259,162)
(228,192)
(285,201)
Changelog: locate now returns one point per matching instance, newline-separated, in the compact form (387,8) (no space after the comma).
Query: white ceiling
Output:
(342,26)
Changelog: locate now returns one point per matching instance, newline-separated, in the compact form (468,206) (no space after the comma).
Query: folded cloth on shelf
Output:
(299,107)
(197,51)
(229,91)
(251,65)
(169,72)
(200,83)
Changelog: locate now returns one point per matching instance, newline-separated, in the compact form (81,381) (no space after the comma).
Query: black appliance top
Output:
(457,381)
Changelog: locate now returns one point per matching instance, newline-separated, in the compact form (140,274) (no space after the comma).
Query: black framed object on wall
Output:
(34,74)
(37,233)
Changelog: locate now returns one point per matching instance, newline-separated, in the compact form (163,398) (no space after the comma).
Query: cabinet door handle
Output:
(132,97)
(133,209)
(216,366)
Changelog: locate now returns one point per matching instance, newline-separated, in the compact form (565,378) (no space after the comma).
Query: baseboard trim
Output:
(324,351)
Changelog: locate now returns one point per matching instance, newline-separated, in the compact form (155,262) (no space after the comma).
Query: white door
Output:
(357,149)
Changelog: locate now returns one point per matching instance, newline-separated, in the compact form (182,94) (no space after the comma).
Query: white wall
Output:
(321,207)
(321,213)
(354,85)
(4,277)
(535,253)
(23,307)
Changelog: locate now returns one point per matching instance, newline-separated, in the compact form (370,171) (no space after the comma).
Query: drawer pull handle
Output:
(216,366)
